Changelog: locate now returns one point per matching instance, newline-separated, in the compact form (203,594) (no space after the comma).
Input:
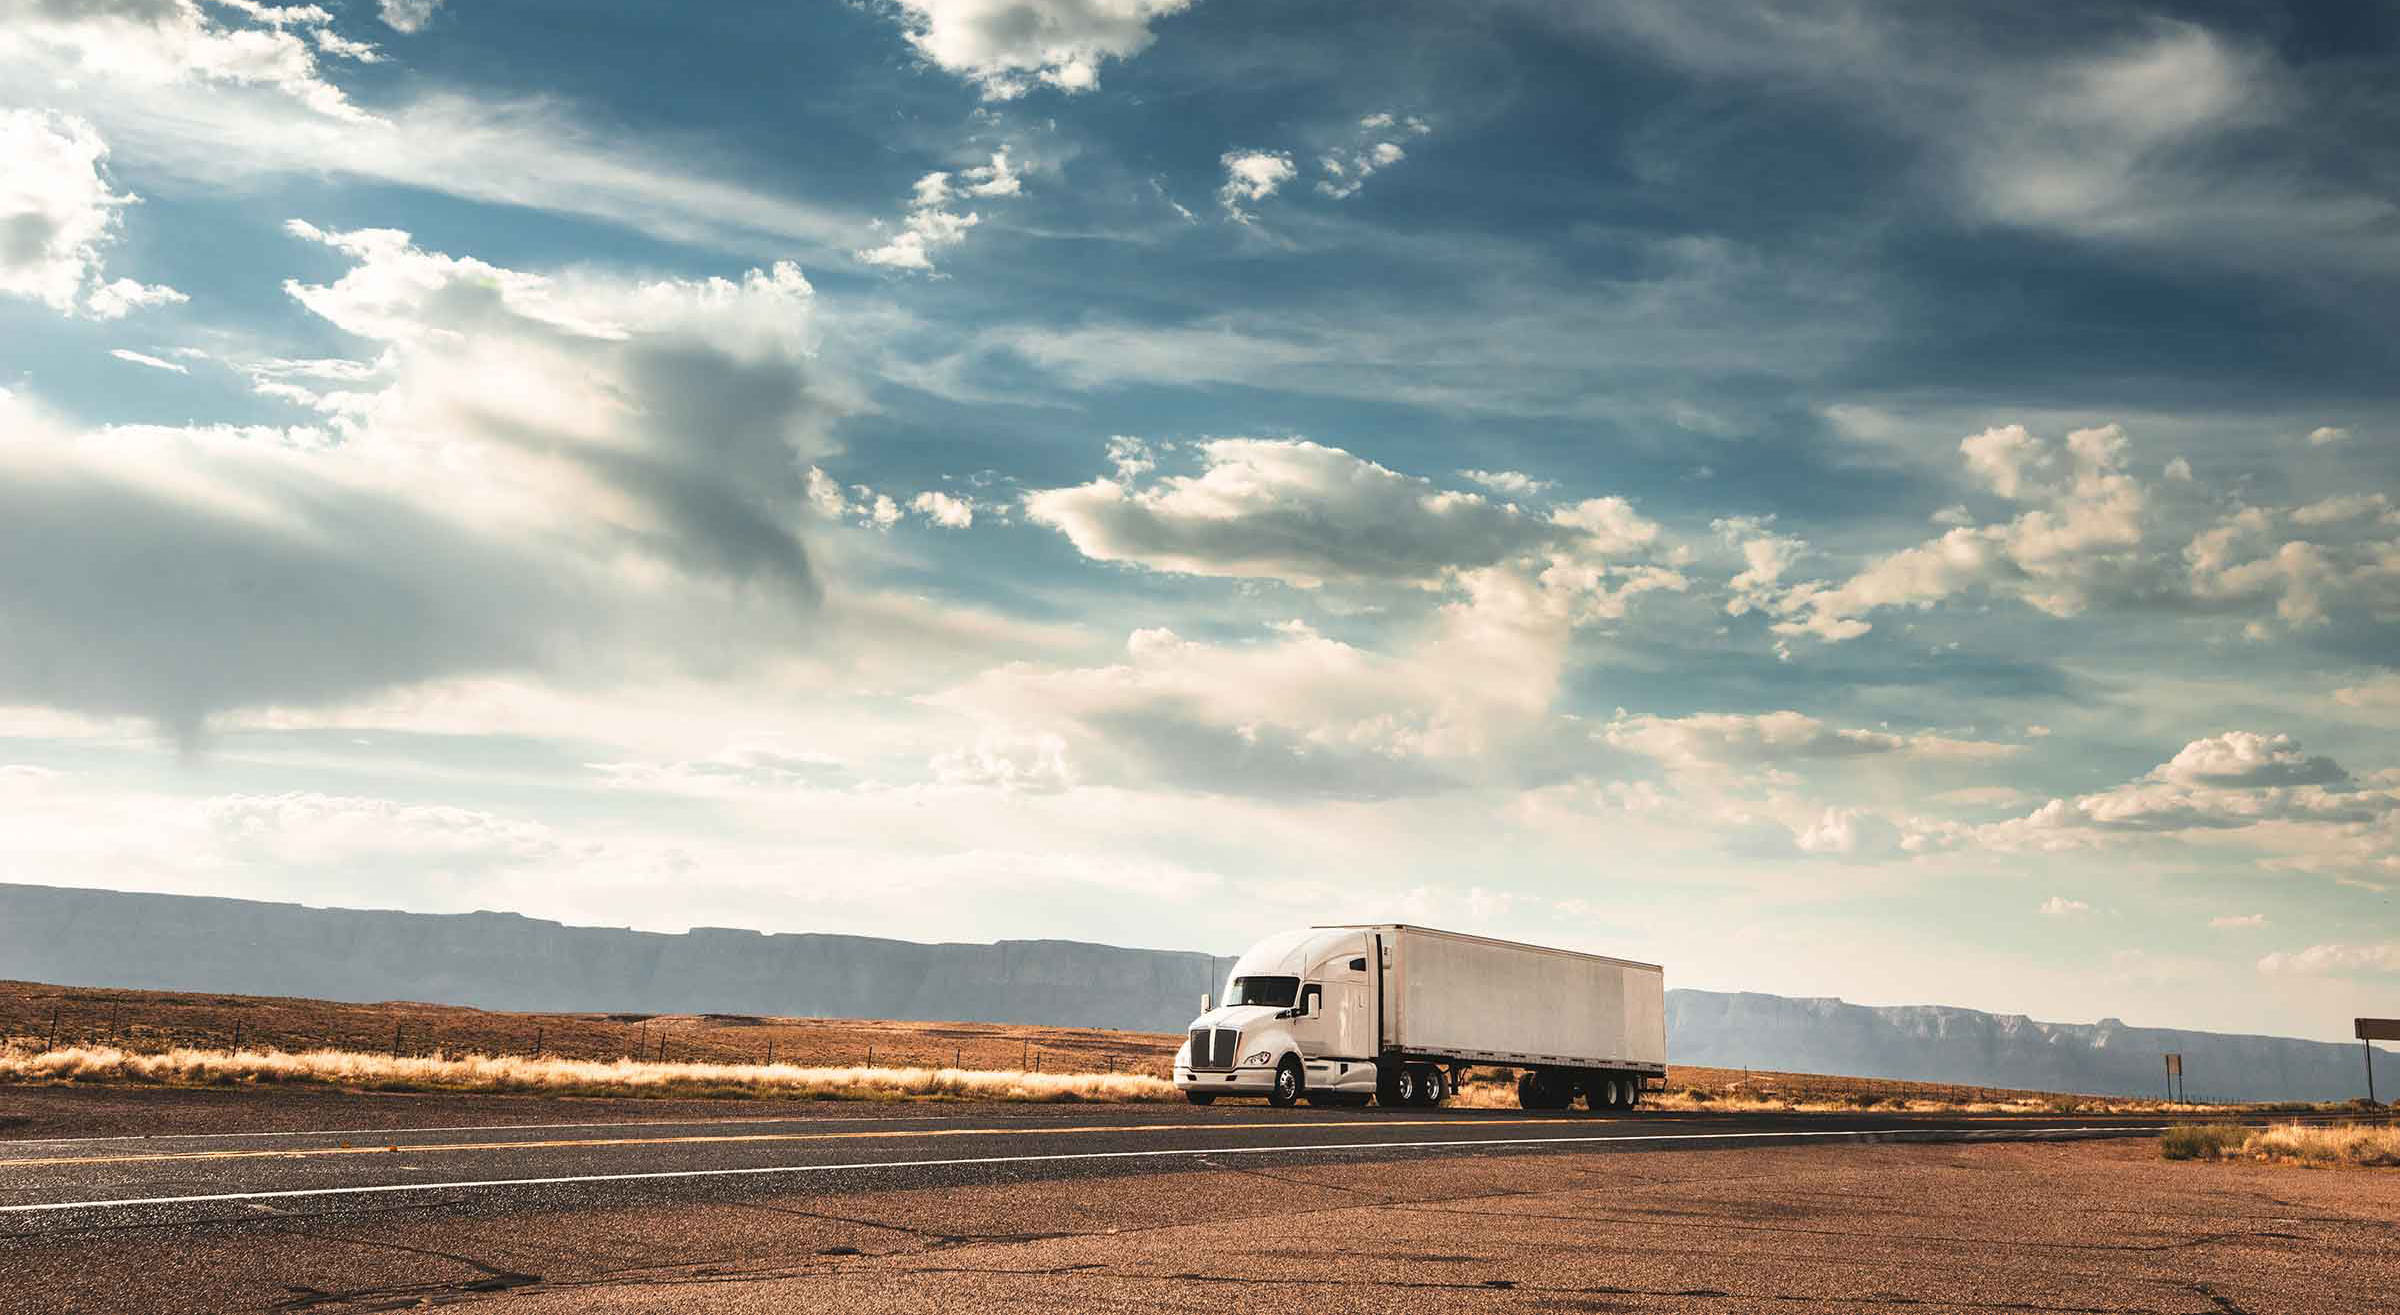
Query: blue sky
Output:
(1839,498)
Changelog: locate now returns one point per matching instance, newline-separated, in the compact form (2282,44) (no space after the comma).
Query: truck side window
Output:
(1359,964)
(1312,1000)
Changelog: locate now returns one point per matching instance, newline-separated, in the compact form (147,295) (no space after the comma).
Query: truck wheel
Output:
(1633,1093)
(1410,1088)
(1434,1088)
(1601,1094)
(1529,1092)
(1289,1084)
(1201,1097)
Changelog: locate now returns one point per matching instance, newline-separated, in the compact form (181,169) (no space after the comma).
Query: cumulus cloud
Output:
(1252,177)
(1740,739)
(2080,536)
(947,510)
(1009,47)
(1298,715)
(1853,834)
(1377,147)
(2325,435)
(1510,483)
(2304,812)
(58,214)
(2323,960)
(2092,533)
(932,223)
(540,474)
(153,43)
(2237,921)
(407,15)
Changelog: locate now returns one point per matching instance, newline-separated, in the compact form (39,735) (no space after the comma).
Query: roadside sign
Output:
(2370,1031)
(2174,1066)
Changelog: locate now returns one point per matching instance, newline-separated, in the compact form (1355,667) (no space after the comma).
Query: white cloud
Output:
(947,510)
(57,216)
(1513,483)
(1295,716)
(1377,148)
(2321,960)
(544,473)
(931,223)
(138,358)
(407,15)
(2079,539)
(1008,47)
(2059,906)
(1707,740)
(2238,921)
(219,98)
(2300,812)
(118,298)
(2247,759)
(1287,509)
(2324,435)
(1252,177)
(1854,834)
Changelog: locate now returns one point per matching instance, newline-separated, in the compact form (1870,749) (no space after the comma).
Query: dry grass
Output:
(159,1021)
(555,1076)
(2361,1145)
(2201,1141)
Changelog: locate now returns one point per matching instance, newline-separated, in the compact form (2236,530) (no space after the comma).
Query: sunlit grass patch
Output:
(517,1074)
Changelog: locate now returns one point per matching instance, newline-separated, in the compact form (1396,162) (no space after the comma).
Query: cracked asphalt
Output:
(538,1206)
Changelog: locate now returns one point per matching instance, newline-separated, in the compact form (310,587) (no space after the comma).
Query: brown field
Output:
(35,1017)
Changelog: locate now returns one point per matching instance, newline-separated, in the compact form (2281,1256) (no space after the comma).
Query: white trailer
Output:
(1398,1014)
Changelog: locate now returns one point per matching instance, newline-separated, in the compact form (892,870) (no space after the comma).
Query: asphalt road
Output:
(121,1180)
(343,1219)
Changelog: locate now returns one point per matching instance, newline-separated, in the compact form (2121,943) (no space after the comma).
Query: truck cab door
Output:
(1312,1028)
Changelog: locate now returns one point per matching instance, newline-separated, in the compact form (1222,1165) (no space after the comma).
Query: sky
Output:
(1836,498)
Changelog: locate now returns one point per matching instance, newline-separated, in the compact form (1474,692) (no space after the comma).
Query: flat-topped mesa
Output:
(509,961)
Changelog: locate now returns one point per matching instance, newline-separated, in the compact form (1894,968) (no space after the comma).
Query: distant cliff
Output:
(1937,1043)
(506,961)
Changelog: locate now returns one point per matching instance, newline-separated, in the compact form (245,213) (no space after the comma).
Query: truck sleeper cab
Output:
(1396,1015)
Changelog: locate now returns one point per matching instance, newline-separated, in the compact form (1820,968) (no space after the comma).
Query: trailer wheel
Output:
(1201,1097)
(1289,1083)
(1430,1087)
(1633,1093)
(1600,1094)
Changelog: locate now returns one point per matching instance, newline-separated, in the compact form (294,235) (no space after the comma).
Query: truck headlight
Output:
(1261,1057)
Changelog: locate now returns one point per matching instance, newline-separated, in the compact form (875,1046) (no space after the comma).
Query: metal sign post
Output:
(2370,1031)
(2174,1071)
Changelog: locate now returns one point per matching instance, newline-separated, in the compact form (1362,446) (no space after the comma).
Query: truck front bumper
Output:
(1256,1080)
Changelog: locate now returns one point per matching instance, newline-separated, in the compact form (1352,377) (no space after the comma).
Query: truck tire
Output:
(1409,1089)
(1633,1093)
(1432,1087)
(1603,1093)
(1290,1084)
(1387,1084)
(1201,1097)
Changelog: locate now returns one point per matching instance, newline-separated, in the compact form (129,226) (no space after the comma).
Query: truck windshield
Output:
(1278,992)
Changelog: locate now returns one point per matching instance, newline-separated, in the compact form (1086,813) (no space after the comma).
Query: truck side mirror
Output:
(1206,1002)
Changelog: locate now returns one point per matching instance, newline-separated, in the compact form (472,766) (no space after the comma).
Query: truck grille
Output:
(1213,1047)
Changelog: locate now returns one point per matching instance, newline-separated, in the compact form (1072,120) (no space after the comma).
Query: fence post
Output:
(641,1044)
(537,1043)
(237,1034)
(770,1052)
(53,1029)
(396,1039)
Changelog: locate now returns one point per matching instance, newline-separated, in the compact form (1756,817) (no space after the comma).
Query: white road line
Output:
(665,1174)
(487,1127)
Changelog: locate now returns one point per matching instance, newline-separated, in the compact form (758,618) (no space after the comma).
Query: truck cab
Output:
(1299,1017)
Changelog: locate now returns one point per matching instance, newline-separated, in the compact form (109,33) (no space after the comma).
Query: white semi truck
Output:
(1398,1014)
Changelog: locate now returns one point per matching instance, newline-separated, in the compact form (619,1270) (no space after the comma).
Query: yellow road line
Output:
(386,1148)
